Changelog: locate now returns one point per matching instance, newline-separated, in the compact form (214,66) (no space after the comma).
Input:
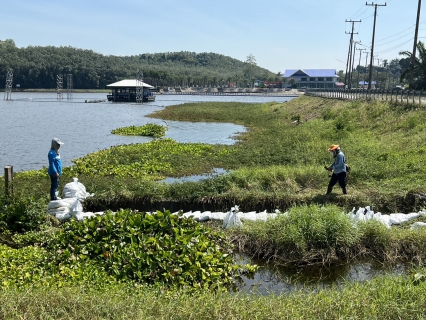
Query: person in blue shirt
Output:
(55,167)
(338,167)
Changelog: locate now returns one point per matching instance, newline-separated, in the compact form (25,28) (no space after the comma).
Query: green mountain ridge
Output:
(38,67)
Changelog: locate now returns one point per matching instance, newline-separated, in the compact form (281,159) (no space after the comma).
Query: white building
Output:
(312,78)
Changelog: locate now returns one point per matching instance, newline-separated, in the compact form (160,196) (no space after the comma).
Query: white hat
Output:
(57,141)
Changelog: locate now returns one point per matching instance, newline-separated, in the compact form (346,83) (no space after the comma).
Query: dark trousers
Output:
(341,177)
(54,184)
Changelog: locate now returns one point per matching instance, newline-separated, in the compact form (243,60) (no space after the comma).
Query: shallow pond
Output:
(271,278)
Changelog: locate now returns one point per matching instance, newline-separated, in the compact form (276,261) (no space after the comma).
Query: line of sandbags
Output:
(365,214)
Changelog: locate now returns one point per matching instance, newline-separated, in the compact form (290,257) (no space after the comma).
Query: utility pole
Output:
(413,57)
(372,41)
(378,66)
(348,63)
(366,58)
(359,64)
(353,64)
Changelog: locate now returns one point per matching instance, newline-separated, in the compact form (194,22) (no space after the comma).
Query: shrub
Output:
(22,214)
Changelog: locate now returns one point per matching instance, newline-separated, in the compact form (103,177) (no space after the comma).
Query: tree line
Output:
(38,67)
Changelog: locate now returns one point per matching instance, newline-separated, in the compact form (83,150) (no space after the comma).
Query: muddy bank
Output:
(399,203)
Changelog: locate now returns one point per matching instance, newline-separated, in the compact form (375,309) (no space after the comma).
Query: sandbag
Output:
(54,211)
(58,203)
(398,218)
(63,216)
(418,225)
(76,208)
(232,219)
(75,189)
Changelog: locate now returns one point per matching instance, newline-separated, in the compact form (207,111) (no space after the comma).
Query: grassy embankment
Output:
(277,163)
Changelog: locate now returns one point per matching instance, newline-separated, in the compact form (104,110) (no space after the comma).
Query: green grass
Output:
(325,235)
(381,298)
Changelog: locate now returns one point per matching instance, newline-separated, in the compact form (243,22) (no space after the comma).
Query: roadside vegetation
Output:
(133,265)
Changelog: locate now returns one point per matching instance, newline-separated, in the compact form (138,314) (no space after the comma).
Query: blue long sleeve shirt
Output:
(55,163)
(339,164)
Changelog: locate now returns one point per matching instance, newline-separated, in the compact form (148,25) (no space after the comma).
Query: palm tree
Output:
(418,69)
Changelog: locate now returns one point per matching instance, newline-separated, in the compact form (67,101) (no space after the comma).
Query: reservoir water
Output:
(30,120)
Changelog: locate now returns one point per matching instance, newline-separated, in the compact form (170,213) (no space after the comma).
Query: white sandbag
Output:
(359,216)
(262,216)
(385,219)
(75,189)
(398,218)
(272,215)
(377,216)
(248,215)
(188,214)
(80,216)
(217,215)
(413,215)
(418,225)
(76,208)
(70,201)
(232,219)
(63,216)
(369,214)
(203,218)
(57,203)
(54,211)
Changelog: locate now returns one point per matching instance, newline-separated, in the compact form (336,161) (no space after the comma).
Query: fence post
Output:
(8,181)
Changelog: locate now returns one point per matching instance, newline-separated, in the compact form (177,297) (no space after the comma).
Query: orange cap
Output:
(333,147)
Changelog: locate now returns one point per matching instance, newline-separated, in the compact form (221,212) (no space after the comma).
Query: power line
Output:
(396,34)
(396,47)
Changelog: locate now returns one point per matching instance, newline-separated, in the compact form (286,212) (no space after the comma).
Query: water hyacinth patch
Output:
(152,160)
(149,130)
(159,248)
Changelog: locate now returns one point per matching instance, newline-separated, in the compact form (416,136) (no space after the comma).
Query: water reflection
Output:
(275,279)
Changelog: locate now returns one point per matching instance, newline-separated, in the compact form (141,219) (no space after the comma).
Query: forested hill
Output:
(38,67)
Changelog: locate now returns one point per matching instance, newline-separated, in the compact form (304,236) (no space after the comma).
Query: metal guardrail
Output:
(398,96)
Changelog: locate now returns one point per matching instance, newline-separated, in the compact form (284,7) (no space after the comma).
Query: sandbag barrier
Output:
(75,193)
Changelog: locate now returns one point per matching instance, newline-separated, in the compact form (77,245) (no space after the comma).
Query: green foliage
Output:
(150,130)
(34,267)
(38,66)
(148,248)
(151,160)
(20,214)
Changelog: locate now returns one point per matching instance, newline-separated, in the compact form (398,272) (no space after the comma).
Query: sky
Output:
(280,34)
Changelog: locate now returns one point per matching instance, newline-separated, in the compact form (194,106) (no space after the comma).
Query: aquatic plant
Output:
(149,130)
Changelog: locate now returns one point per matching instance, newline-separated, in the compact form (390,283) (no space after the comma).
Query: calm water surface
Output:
(30,120)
